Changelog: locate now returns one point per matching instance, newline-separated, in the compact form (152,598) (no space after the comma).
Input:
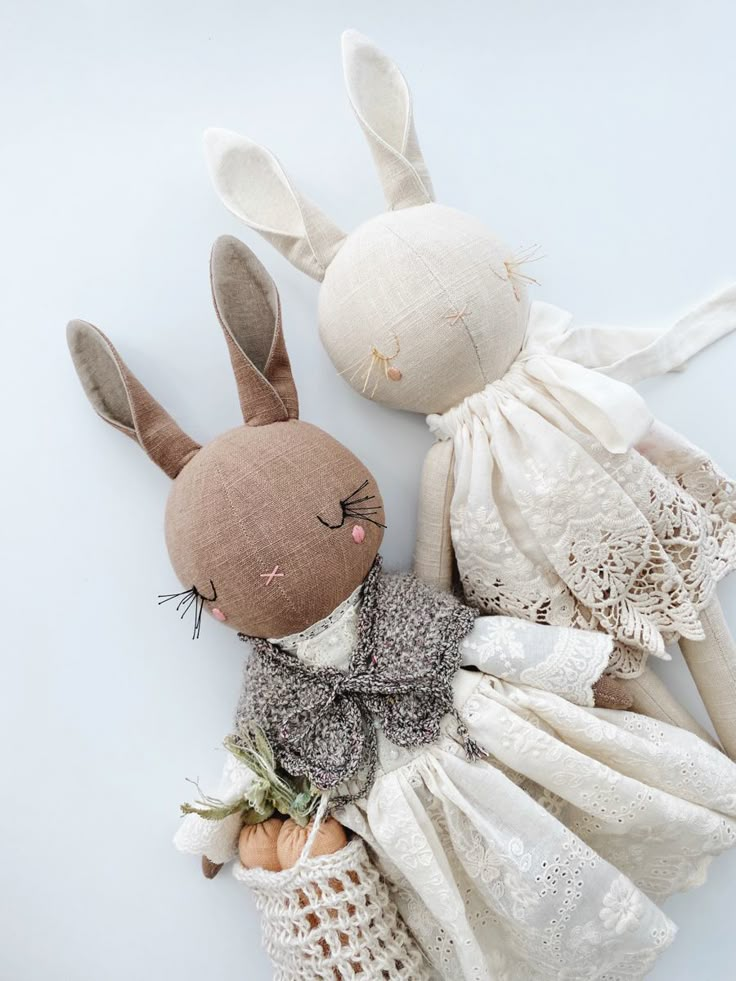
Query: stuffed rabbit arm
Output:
(518,651)
(434,559)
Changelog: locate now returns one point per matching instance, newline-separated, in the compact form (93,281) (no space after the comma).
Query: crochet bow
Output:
(323,721)
(340,715)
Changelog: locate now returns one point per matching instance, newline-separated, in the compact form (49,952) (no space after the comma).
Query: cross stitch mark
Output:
(458,315)
(270,576)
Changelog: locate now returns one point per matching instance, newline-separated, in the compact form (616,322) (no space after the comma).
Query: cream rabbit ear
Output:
(119,398)
(381,100)
(249,310)
(252,184)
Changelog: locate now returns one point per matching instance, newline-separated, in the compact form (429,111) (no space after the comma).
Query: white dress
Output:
(572,506)
(540,861)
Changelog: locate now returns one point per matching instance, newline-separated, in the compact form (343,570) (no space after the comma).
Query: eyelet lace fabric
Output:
(573,507)
(543,860)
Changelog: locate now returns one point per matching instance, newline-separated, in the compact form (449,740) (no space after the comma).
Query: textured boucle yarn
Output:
(322,722)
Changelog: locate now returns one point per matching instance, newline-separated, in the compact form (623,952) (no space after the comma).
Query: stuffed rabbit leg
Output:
(547,489)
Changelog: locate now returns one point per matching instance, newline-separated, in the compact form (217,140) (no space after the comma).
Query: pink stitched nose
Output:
(219,615)
(358,534)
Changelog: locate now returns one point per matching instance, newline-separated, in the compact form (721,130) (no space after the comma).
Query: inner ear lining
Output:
(101,379)
(381,97)
(266,201)
(247,306)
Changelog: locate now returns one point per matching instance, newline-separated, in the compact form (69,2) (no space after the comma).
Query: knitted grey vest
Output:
(321,721)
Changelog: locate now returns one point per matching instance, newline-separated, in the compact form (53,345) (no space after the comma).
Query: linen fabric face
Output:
(571,507)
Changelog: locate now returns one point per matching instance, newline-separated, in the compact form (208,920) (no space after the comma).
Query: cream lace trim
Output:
(329,642)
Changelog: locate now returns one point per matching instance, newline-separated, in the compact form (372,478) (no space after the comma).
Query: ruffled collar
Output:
(329,642)
(586,373)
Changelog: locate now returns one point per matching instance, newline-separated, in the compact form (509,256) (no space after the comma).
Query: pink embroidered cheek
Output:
(219,615)
(358,534)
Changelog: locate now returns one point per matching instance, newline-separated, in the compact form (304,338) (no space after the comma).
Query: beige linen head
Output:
(420,306)
(273,523)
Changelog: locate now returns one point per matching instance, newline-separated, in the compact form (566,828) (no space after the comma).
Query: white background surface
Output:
(605,132)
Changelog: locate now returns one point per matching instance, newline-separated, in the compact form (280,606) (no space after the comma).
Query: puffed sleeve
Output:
(561,660)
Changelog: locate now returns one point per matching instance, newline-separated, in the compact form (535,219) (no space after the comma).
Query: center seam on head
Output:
(444,289)
(282,592)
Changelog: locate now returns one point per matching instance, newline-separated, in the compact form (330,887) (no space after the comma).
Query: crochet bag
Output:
(332,917)
(550,487)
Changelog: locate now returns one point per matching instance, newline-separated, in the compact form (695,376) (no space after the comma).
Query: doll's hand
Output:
(210,869)
(611,693)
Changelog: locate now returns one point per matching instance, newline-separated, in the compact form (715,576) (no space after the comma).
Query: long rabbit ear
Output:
(248,307)
(252,184)
(381,100)
(119,398)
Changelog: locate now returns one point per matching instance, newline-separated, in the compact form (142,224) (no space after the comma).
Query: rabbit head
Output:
(273,524)
(420,306)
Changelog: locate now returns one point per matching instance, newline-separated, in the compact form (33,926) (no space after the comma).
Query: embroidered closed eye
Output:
(190,599)
(358,507)
(375,358)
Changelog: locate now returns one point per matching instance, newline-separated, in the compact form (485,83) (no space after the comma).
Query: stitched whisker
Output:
(349,498)
(364,517)
(356,365)
(198,610)
(359,361)
(355,507)
(373,358)
(188,598)
(513,266)
(352,377)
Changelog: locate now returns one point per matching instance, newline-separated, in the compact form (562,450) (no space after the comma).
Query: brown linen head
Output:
(274,523)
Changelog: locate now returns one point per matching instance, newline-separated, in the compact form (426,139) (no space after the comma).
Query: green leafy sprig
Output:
(272,791)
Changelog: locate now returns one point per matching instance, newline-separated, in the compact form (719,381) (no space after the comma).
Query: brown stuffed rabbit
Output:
(273,523)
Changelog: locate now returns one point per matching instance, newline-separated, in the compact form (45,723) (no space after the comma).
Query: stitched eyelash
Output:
(187,599)
(356,507)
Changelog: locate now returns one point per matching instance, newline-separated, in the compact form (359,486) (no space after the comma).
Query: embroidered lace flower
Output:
(572,507)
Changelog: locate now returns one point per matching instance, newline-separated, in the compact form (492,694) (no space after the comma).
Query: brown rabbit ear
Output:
(248,307)
(119,398)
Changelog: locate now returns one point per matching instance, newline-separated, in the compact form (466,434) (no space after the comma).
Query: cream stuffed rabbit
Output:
(524,832)
(550,486)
